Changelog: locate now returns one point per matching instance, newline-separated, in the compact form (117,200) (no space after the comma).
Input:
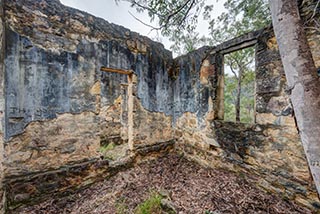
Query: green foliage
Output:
(240,60)
(106,148)
(105,151)
(230,91)
(150,206)
(171,15)
(187,42)
(242,16)
(178,19)
(247,99)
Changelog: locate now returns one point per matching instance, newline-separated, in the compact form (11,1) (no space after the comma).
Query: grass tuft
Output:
(150,206)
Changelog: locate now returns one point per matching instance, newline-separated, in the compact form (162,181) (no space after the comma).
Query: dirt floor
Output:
(191,188)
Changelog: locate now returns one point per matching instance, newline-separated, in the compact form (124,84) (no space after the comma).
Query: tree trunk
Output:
(238,97)
(302,78)
(2,107)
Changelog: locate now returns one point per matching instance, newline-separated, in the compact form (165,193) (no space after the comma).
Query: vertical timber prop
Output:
(130,111)
(301,74)
(130,76)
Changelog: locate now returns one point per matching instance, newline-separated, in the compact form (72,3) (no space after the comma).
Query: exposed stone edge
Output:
(2,107)
(253,175)
(9,138)
(157,147)
(36,187)
(119,32)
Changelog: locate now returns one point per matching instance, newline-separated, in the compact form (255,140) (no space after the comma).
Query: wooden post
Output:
(115,70)
(130,96)
(130,112)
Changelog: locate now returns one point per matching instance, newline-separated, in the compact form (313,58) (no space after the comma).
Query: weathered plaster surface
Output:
(50,144)
(61,109)
(40,84)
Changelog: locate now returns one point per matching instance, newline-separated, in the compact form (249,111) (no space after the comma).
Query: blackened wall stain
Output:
(53,58)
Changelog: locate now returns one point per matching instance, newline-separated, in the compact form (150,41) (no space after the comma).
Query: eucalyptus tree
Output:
(302,77)
(240,65)
(241,16)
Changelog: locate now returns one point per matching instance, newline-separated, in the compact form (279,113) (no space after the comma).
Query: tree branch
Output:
(168,16)
(142,22)
(177,11)
(135,3)
(187,12)
(233,71)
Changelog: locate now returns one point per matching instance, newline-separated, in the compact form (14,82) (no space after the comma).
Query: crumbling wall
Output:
(199,75)
(269,150)
(61,111)
(46,94)
(272,99)
(273,107)
(53,59)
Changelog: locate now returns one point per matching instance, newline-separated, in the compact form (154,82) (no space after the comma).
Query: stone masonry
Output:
(66,124)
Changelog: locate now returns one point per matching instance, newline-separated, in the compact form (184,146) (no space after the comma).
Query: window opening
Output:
(239,86)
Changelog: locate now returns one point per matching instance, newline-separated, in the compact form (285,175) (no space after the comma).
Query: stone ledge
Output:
(272,181)
(38,186)
(159,146)
(64,181)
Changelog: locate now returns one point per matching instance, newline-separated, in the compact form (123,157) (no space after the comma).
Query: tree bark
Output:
(302,78)
(2,107)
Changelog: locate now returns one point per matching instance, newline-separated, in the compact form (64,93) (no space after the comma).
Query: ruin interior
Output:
(62,109)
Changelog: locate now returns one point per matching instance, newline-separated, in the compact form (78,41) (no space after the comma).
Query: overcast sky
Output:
(119,14)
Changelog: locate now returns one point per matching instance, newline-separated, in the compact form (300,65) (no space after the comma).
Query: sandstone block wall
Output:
(272,99)
(53,79)
(269,150)
(61,113)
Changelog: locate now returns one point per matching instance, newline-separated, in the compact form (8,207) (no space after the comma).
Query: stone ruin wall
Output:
(59,108)
(270,149)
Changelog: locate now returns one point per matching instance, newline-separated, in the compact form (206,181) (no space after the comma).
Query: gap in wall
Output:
(239,86)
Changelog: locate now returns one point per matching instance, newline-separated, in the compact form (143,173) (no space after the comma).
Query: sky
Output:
(119,14)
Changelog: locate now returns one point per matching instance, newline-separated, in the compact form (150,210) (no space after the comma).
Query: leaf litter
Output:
(193,189)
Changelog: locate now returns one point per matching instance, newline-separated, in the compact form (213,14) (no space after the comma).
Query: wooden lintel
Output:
(115,70)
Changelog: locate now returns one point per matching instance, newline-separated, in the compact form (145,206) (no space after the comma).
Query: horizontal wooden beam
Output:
(238,43)
(239,47)
(115,70)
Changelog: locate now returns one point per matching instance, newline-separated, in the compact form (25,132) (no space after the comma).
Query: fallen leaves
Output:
(192,188)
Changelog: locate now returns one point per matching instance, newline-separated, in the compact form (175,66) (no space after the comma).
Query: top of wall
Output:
(52,25)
